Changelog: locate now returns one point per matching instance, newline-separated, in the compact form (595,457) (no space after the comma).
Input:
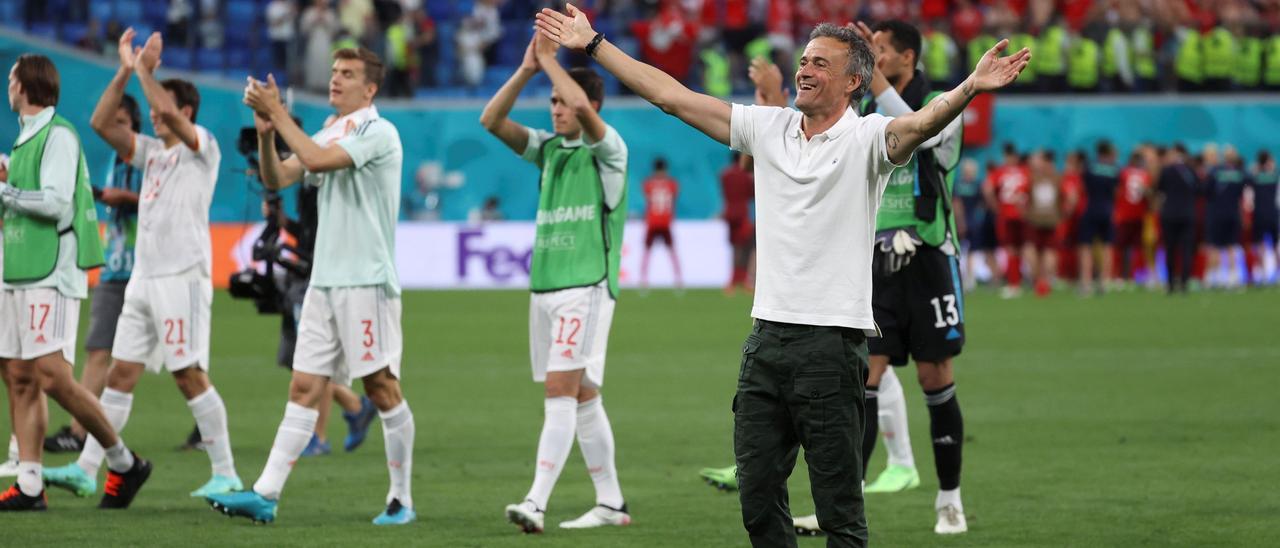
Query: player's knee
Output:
(123,376)
(934,375)
(383,390)
(192,381)
(307,390)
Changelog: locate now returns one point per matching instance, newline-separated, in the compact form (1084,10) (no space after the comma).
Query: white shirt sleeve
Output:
(57,180)
(611,151)
(533,146)
(206,150)
(372,141)
(742,128)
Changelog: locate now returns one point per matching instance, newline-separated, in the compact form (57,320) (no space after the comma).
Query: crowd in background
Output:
(1158,217)
(1079,45)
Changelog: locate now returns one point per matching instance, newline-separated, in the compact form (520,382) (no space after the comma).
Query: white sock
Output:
(595,440)
(119,459)
(116,406)
(558,425)
(30,478)
(296,429)
(211,419)
(951,497)
(13,447)
(397,433)
(893,421)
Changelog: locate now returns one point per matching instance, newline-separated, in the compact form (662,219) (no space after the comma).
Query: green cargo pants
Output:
(801,386)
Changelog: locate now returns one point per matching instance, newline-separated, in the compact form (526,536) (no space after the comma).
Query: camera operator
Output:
(120,196)
(283,291)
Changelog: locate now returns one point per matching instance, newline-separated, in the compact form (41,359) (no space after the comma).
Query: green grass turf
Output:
(1133,419)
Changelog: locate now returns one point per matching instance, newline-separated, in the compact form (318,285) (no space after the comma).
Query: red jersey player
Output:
(1131,210)
(660,192)
(738,184)
(1007,192)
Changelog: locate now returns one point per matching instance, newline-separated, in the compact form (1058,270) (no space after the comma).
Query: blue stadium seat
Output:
(129,12)
(176,57)
(237,57)
(102,10)
(243,13)
(43,30)
(72,32)
(211,60)
(10,13)
(154,12)
(441,10)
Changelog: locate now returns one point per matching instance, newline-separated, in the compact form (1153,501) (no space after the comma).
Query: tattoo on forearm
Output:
(891,138)
(939,103)
(968,89)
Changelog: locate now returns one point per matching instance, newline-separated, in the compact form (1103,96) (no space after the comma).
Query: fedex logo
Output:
(498,261)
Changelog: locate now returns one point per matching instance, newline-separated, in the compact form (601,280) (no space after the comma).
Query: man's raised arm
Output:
(705,113)
(103,120)
(993,72)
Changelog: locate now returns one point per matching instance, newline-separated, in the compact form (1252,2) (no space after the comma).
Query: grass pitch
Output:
(1133,419)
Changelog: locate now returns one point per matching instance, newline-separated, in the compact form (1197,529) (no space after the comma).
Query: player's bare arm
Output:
(704,112)
(495,117)
(264,99)
(119,137)
(993,72)
(147,60)
(570,92)
(276,173)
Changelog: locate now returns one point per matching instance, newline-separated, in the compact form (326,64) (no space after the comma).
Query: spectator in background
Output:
(211,31)
(738,185)
(356,16)
(281,17)
(667,39)
(319,26)
(490,28)
(1096,229)
(92,39)
(974,222)
(401,58)
(1044,213)
(1131,210)
(427,45)
(178,23)
(660,192)
(1176,191)
(1266,216)
(471,46)
(1225,188)
(1073,206)
(488,212)
(1007,192)
(111,46)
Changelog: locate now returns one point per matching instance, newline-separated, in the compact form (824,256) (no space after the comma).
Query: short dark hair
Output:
(903,35)
(185,94)
(861,60)
(130,106)
(39,79)
(373,67)
(590,82)
(1078,155)
(1135,156)
(1048,155)
(1263,156)
(1180,148)
(659,164)
(1009,149)
(1105,148)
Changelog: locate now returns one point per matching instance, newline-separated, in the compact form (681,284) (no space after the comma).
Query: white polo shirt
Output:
(173,205)
(816,203)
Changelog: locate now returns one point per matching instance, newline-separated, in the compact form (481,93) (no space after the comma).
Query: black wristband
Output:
(593,44)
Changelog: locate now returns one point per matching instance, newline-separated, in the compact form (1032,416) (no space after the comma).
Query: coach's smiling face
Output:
(823,79)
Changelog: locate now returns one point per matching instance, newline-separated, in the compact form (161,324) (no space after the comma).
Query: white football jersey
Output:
(173,206)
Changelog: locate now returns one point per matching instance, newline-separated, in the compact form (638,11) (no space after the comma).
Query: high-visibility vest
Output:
(715,74)
(1082,64)
(938,52)
(1016,43)
(1271,64)
(1143,53)
(979,46)
(760,47)
(1114,43)
(1188,63)
(1249,62)
(1050,56)
(1219,53)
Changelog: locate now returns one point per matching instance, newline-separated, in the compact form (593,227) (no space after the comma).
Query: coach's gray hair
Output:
(861,60)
